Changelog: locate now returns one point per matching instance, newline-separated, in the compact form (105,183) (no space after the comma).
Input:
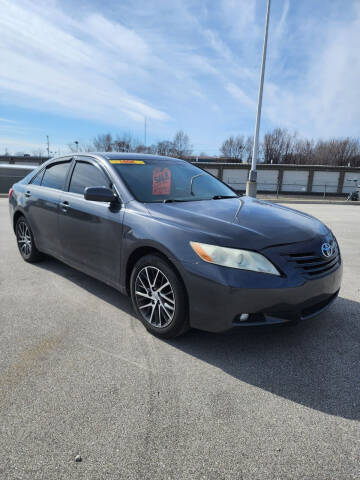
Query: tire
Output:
(158,297)
(25,241)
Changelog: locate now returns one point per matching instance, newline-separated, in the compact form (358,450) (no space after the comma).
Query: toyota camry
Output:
(187,248)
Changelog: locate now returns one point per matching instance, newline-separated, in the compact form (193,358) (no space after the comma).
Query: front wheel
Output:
(159,297)
(25,241)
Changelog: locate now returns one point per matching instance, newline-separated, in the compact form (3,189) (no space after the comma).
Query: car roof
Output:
(130,156)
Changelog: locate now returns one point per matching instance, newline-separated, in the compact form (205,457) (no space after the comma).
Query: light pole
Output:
(77,145)
(251,185)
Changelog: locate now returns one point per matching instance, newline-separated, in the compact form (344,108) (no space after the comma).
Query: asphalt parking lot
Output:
(80,375)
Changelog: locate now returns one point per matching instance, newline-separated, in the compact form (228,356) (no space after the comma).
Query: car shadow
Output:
(315,363)
(90,284)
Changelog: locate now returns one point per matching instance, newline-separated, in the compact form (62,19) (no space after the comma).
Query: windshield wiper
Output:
(192,180)
(170,200)
(220,197)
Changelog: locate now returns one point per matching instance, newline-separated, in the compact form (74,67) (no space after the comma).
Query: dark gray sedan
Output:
(186,247)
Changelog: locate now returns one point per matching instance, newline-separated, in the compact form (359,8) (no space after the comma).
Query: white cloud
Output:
(13,145)
(124,42)
(240,18)
(333,92)
(99,69)
(241,96)
(325,100)
(179,63)
(278,34)
(51,68)
(320,95)
(7,120)
(218,45)
(281,25)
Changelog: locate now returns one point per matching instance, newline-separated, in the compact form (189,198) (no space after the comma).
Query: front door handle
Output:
(64,206)
(28,194)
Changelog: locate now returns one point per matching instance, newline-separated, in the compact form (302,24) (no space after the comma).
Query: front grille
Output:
(314,265)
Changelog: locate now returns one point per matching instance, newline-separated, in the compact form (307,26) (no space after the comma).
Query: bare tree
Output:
(121,146)
(125,143)
(302,152)
(165,147)
(278,146)
(72,148)
(339,152)
(80,147)
(103,143)
(151,149)
(233,147)
(248,149)
(181,145)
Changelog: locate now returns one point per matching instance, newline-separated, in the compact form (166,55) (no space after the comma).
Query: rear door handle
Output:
(28,194)
(64,206)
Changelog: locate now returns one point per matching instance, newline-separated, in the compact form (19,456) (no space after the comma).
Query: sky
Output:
(72,70)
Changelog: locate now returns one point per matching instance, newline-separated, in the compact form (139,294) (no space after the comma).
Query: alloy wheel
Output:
(155,297)
(24,239)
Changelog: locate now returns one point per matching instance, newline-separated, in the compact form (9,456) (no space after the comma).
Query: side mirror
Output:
(99,194)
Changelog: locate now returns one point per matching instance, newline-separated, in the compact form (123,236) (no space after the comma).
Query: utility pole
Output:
(48,145)
(251,185)
(77,146)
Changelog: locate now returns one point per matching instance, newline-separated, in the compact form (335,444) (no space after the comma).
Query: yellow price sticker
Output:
(128,162)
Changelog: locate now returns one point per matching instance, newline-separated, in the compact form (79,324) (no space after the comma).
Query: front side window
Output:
(55,175)
(86,175)
(159,181)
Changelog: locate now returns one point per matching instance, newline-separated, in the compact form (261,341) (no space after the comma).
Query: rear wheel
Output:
(159,297)
(25,241)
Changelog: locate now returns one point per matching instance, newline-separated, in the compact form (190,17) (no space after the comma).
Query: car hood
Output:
(239,222)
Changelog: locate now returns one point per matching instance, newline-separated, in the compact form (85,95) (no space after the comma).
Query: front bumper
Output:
(218,295)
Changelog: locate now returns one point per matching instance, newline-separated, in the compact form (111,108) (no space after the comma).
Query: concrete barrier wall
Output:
(288,178)
(349,177)
(10,174)
(23,160)
(267,180)
(234,177)
(295,180)
(330,179)
(213,171)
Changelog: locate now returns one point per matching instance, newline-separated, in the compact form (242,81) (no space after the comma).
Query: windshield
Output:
(162,181)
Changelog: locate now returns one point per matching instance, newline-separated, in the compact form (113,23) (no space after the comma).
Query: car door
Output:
(90,232)
(42,196)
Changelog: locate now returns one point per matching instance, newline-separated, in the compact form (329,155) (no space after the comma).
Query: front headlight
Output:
(234,258)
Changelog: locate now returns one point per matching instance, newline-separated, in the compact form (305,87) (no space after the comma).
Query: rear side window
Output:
(54,175)
(37,179)
(87,175)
